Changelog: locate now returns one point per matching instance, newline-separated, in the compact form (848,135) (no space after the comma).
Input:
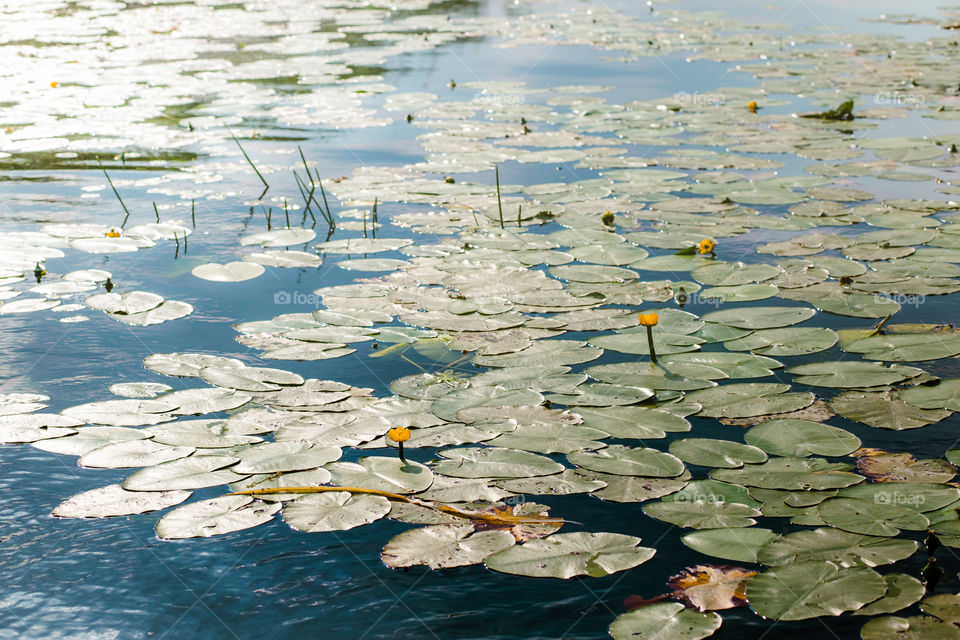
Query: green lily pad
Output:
(811,589)
(334,511)
(743,400)
(629,461)
(791,473)
(943,395)
(884,410)
(494,462)
(565,555)
(195,472)
(760,317)
(851,374)
(664,621)
(114,500)
(737,543)
(703,514)
(844,548)
(870,518)
(801,438)
(716,453)
(444,546)
(912,628)
(214,517)
(790,341)
(902,592)
(382,474)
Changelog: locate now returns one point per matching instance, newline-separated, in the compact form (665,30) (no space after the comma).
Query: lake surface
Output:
(422,91)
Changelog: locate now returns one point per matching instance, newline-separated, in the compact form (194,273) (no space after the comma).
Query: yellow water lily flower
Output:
(113,233)
(706,246)
(399,434)
(752,106)
(648,319)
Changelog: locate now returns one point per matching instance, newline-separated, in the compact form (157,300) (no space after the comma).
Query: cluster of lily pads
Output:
(531,287)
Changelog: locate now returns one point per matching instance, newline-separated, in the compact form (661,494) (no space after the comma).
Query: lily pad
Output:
(565,555)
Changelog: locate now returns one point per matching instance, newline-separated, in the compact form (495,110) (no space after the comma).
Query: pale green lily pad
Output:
(727,274)
(195,472)
(447,406)
(275,457)
(664,343)
(791,473)
(382,474)
(278,237)
(811,589)
(884,410)
(945,606)
(229,272)
(494,462)
(743,400)
(113,500)
(906,347)
(716,453)
(902,592)
(703,514)
(168,310)
(334,511)
(919,496)
(593,273)
(801,438)
(545,438)
(870,518)
(665,621)
(718,365)
(633,488)
(633,422)
(139,389)
(565,555)
(858,305)
(629,461)
(760,317)
(826,544)
(564,483)
(132,453)
(444,546)
(943,395)
(845,374)
(214,517)
(739,544)
(912,628)
(86,439)
(790,341)
(740,292)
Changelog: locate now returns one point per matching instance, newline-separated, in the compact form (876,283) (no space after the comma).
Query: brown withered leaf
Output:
(709,587)
(903,467)
(527,520)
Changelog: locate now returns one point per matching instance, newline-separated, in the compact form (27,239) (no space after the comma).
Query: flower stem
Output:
(653,352)
(400,449)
